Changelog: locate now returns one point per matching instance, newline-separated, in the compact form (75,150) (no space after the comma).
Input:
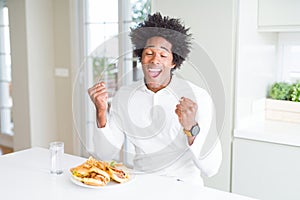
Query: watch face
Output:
(195,130)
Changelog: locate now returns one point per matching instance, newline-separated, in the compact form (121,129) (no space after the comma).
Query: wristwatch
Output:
(194,130)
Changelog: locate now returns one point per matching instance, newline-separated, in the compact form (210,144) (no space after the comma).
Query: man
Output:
(166,119)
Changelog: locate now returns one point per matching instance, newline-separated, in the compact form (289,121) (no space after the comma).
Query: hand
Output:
(186,111)
(99,97)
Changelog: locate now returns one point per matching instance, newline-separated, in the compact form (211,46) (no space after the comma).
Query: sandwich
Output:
(117,175)
(90,174)
(99,173)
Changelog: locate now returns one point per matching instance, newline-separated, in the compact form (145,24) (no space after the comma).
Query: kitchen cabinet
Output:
(278,15)
(265,170)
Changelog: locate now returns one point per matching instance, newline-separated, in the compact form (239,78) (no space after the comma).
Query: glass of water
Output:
(56,156)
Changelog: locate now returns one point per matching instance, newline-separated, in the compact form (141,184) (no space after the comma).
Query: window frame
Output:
(6,124)
(84,106)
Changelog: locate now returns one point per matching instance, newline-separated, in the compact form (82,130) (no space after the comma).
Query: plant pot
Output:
(287,111)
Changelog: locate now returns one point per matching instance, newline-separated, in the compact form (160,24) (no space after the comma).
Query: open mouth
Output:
(154,72)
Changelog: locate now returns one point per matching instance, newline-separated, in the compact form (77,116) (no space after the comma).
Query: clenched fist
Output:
(186,111)
(99,97)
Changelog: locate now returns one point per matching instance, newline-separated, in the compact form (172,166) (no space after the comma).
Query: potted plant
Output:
(283,102)
(295,92)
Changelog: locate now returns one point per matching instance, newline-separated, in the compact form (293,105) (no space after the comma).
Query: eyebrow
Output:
(162,47)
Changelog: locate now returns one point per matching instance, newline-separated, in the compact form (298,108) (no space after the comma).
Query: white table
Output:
(25,175)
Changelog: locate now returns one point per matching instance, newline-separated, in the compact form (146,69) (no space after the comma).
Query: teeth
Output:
(154,70)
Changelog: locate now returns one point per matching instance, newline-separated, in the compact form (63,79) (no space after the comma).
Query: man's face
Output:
(157,63)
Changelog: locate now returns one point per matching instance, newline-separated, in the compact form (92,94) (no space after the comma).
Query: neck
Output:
(158,88)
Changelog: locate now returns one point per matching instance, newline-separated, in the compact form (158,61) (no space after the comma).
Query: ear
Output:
(173,65)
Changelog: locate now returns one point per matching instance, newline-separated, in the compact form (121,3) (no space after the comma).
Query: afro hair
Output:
(170,29)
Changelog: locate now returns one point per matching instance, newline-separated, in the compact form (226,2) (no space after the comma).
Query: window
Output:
(102,21)
(6,124)
(101,24)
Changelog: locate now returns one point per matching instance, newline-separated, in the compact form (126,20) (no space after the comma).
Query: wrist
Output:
(189,127)
(101,119)
(193,131)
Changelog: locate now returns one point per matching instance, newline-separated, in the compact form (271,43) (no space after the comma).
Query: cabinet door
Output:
(279,15)
(265,170)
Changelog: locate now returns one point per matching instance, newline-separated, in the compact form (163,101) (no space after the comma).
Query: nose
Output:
(155,58)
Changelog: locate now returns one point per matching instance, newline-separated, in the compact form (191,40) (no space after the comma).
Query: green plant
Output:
(280,91)
(295,94)
(140,10)
(102,65)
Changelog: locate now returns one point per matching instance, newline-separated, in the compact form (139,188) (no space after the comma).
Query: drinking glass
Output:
(56,157)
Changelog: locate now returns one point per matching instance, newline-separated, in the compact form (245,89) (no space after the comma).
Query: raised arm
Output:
(99,97)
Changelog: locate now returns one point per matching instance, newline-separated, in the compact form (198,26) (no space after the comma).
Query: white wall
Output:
(20,92)
(213,27)
(41,101)
(256,63)
(63,85)
(40,47)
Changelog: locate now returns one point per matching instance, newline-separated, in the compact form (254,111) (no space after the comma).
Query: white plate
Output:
(109,185)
